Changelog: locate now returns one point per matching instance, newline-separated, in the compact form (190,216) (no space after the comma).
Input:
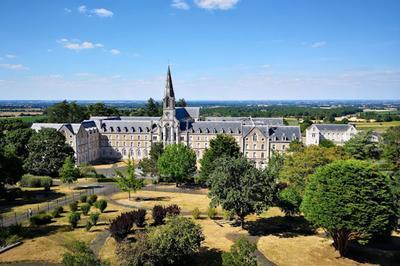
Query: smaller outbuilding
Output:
(337,133)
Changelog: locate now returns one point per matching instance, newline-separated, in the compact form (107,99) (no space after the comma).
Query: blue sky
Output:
(218,49)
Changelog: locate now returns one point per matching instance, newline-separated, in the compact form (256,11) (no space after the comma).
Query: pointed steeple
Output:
(169,89)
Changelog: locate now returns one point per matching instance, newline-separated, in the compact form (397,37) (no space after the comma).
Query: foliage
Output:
(238,186)
(40,219)
(296,146)
(36,181)
(87,170)
(11,234)
(83,198)
(228,215)
(173,210)
(305,124)
(94,217)
(10,167)
(140,217)
(64,112)
(241,253)
(68,172)
(92,199)
(289,201)
(196,213)
(47,152)
(137,253)
(12,124)
(222,146)
(158,214)
(100,109)
(176,240)
(73,206)
(181,103)
(391,149)
(85,208)
(350,200)
(121,226)
(81,255)
(17,140)
(177,163)
(153,108)
(362,147)
(212,212)
(73,218)
(326,143)
(57,211)
(88,225)
(300,165)
(129,182)
(101,205)
(149,165)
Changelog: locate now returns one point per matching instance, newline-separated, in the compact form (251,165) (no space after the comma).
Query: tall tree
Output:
(350,200)
(222,146)
(10,167)
(68,172)
(64,112)
(152,108)
(391,146)
(362,147)
(18,140)
(181,103)
(149,165)
(128,182)
(47,152)
(177,163)
(238,186)
(100,109)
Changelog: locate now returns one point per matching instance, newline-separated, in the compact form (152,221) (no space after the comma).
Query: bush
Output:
(229,215)
(81,255)
(137,253)
(101,205)
(140,217)
(40,219)
(241,253)
(289,201)
(212,212)
(196,213)
(106,180)
(36,181)
(85,208)
(92,199)
(74,218)
(11,234)
(94,217)
(57,211)
(158,214)
(88,225)
(173,210)
(83,198)
(121,226)
(73,206)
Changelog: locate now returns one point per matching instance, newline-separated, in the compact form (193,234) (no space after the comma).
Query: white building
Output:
(337,133)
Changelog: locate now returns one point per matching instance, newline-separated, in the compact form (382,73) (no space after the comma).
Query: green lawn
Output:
(376,126)
(28,119)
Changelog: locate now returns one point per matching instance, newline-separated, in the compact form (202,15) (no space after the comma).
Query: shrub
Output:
(140,217)
(173,242)
(57,211)
(289,201)
(212,212)
(88,225)
(94,217)
(11,240)
(85,208)
(106,180)
(83,198)
(81,255)
(196,213)
(11,234)
(137,253)
(101,205)
(92,199)
(173,210)
(241,253)
(74,218)
(40,219)
(73,206)
(228,215)
(121,226)
(36,181)
(158,214)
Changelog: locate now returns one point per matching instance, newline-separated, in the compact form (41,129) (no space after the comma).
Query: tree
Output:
(11,124)
(47,152)
(10,168)
(362,147)
(18,140)
(64,112)
(296,146)
(129,182)
(181,103)
(81,255)
(350,200)
(177,163)
(100,109)
(391,146)
(68,172)
(289,201)
(306,124)
(326,143)
(149,165)
(238,186)
(223,145)
(241,253)
(152,108)
(300,165)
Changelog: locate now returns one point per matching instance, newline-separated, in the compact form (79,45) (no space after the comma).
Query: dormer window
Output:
(118,129)
(126,129)
(254,137)
(111,129)
(133,129)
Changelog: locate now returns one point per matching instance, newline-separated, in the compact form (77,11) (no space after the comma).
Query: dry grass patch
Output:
(107,252)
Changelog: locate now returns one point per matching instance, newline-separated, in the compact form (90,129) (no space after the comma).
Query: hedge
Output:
(36,181)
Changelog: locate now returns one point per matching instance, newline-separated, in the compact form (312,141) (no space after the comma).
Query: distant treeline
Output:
(281,111)
(381,116)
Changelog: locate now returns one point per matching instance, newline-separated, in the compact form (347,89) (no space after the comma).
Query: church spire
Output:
(169,89)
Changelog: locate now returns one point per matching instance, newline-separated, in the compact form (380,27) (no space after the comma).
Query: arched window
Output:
(139,154)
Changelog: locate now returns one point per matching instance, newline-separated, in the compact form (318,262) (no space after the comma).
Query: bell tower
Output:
(169,124)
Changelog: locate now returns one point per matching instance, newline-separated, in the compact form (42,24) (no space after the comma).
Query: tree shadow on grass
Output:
(207,256)
(279,226)
(138,199)
(45,230)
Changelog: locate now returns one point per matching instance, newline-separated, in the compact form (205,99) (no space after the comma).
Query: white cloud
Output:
(102,12)
(216,4)
(76,45)
(67,10)
(115,52)
(10,56)
(99,45)
(319,44)
(82,9)
(13,66)
(180,4)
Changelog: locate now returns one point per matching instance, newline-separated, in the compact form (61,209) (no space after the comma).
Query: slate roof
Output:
(127,126)
(248,128)
(284,133)
(277,121)
(333,127)
(216,127)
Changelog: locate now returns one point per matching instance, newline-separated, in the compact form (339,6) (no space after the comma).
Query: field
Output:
(376,126)
(27,119)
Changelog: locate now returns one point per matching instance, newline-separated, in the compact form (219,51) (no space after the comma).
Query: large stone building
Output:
(122,137)
(337,133)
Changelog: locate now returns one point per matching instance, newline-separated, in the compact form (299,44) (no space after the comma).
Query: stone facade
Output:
(337,133)
(123,137)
